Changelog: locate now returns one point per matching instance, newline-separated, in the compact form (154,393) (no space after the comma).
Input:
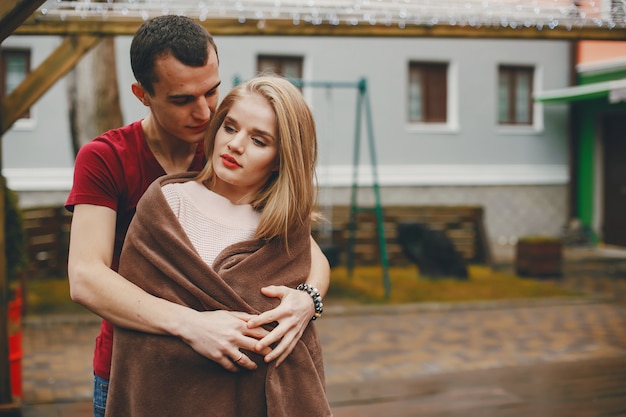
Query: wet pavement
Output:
(554,357)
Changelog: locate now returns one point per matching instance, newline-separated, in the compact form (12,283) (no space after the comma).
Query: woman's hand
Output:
(292,315)
(219,335)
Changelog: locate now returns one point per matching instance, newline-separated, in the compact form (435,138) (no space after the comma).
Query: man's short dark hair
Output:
(182,37)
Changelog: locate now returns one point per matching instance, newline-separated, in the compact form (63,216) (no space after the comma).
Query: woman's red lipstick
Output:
(229,161)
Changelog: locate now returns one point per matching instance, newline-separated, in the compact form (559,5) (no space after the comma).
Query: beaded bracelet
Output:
(317,299)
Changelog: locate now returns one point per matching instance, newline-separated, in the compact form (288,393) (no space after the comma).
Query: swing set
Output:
(363,111)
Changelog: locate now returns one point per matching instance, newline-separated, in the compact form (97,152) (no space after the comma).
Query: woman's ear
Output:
(140,93)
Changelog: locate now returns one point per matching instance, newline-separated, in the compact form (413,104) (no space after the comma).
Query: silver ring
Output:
(240,357)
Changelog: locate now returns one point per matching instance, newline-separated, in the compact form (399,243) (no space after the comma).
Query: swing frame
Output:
(363,109)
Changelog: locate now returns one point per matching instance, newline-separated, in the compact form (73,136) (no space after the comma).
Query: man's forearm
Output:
(319,276)
(122,303)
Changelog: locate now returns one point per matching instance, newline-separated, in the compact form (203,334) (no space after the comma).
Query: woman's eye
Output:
(229,129)
(258,142)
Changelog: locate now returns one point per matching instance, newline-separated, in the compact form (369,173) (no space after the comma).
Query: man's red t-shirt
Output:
(114,170)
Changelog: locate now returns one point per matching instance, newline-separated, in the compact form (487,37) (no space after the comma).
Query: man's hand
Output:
(219,336)
(292,315)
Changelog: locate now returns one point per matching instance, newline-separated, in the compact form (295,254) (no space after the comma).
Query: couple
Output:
(214,258)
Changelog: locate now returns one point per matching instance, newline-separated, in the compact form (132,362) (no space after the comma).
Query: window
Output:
(287,66)
(428,92)
(515,88)
(15,66)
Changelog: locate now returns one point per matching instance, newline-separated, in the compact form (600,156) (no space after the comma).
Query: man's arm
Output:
(218,335)
(295,311)
(319,277)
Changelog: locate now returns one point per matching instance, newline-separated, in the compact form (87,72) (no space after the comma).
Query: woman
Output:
(184,246)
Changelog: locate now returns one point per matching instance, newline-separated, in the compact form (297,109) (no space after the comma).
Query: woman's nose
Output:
(236,143)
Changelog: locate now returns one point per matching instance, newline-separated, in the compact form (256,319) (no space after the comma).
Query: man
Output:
(175,64)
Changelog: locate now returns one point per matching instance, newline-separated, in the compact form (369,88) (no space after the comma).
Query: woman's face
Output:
(246,149)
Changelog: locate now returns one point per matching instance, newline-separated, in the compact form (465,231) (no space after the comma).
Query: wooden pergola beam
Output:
(282,27)
(58,63)
(14,12)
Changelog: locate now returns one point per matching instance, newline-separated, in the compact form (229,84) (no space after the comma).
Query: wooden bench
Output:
(462,224)
(47,231)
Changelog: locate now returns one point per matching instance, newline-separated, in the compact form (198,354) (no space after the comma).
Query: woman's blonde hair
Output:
(288,198)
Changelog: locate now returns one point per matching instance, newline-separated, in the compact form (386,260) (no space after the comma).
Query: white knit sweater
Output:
(211,221)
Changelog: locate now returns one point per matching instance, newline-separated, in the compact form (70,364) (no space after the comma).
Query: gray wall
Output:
(43,141)
(476,138)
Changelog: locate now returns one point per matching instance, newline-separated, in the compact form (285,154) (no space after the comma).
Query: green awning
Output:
(614,91)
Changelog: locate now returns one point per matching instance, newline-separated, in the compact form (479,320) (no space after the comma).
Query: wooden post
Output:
(5,376)
(7,406)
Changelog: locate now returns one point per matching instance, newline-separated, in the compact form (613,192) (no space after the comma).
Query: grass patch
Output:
(50,295)
(366,286)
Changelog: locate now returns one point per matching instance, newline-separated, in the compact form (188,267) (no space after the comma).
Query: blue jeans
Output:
(100,392)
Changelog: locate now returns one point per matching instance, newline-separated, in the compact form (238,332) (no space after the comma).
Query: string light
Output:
(542,14)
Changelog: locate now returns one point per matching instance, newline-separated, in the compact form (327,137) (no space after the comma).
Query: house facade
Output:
(453,122)
(598,139)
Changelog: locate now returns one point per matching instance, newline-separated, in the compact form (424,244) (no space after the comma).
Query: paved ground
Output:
(541,358)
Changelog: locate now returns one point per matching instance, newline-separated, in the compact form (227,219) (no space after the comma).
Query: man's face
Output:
(184,98)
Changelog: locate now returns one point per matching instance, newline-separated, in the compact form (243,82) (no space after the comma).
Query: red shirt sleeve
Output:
(97,176)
